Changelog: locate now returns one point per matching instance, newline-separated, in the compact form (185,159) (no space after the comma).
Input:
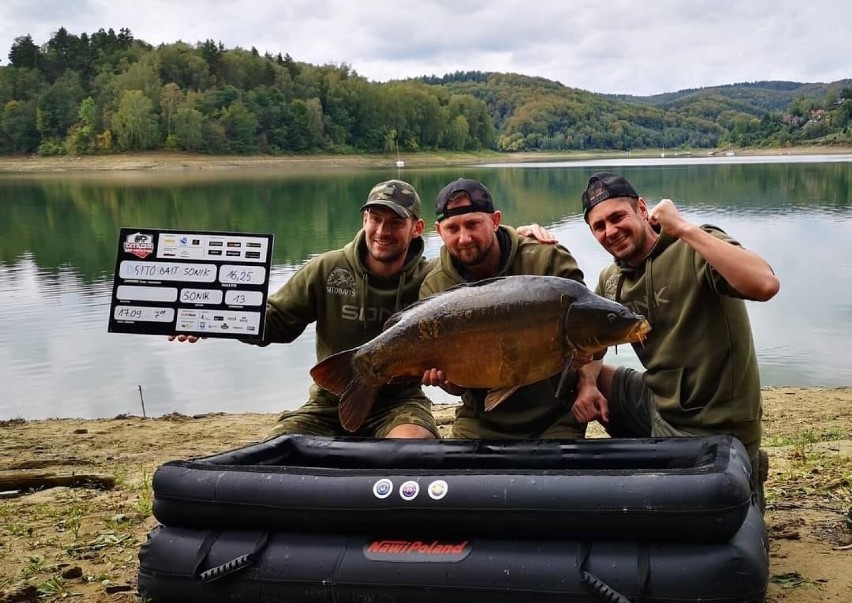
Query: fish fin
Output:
(335,372)
(355,404)
(567,373)
(495,397)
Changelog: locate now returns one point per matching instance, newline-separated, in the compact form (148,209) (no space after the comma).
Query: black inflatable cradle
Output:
(304,518)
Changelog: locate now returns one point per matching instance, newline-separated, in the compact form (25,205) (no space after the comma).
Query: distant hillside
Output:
(109,92)
(759,96)
(534,113)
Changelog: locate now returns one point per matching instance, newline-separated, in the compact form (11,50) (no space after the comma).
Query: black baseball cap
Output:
(480,198)
(603,186)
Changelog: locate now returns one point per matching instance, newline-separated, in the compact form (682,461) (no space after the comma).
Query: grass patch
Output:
(813,474)
(806,437)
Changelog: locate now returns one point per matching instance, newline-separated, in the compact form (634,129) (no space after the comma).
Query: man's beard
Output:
(479,256)
(386,255)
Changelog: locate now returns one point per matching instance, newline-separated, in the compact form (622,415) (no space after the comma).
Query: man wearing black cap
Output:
(689,281)
(478,246)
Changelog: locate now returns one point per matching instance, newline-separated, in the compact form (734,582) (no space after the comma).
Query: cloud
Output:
(615,46)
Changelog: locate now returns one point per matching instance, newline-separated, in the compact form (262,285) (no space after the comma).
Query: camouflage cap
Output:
(398,196)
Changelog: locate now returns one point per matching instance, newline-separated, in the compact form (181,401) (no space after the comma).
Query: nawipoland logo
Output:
(437,489)
(382,488)
(139,244)
(409,490)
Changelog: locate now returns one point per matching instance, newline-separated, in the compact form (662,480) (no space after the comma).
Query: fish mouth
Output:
(639,332)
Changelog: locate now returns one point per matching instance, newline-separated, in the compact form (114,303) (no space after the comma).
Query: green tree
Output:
(183,65)
(141,75)
(188,128)
(240,126)
(170,99)
(457,133)
(134,124)
(18,133)
(25,54)
(81,137)
(58,106)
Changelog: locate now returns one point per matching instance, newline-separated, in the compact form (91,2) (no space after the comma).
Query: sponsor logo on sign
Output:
(139,244)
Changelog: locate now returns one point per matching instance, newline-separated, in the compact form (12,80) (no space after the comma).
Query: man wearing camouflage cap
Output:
(349,293)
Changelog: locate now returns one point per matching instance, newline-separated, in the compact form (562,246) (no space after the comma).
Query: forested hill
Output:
(109,92)
(758,97)
(534,113)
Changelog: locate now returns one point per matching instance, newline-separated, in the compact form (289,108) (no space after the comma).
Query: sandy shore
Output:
(183,162)
(83,543)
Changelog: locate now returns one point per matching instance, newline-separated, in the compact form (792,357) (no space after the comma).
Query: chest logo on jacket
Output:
(639,306)
(340,282)
(610,287)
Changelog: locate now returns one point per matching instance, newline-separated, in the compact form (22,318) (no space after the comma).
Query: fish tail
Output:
(355,403)
(335,372)
(338,375)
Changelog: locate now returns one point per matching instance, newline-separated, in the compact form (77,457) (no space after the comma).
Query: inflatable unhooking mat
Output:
(186,566)
(689,489)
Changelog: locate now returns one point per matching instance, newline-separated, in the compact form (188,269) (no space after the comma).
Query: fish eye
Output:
(611,318)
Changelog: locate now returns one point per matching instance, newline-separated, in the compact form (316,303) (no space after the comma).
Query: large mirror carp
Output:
(497,334)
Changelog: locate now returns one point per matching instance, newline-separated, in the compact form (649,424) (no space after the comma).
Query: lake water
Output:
(58,239)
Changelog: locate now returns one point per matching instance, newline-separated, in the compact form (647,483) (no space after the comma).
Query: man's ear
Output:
(496,217)
(419,225)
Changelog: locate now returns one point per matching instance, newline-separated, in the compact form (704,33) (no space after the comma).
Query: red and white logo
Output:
(417,551)
(139,244)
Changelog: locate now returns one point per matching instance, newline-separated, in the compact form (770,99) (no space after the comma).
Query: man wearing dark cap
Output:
(477,246)
(689,281)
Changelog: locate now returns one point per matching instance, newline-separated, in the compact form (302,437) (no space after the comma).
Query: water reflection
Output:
(58,237)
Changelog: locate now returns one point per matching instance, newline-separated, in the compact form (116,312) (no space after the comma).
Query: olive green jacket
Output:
(699,356)
(348,304)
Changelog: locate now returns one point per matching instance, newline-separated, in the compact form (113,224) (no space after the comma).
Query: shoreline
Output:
(83,542)
(162,161)
(443,411)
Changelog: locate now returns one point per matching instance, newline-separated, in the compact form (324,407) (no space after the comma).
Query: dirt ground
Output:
(165,163)
(82,542)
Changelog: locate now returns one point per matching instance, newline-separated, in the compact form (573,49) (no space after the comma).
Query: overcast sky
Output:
(610,46)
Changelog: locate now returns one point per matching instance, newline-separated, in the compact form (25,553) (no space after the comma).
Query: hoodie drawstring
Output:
(649,289)
(399,289)
(363,312)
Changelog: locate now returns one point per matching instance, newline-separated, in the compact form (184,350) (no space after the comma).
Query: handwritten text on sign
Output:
(200,283)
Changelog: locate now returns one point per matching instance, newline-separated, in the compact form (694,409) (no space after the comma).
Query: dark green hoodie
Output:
(348,305)
(533,409)
(699,357)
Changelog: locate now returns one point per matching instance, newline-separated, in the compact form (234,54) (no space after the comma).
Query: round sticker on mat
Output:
(382,488)
(437,489)
(409,490)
